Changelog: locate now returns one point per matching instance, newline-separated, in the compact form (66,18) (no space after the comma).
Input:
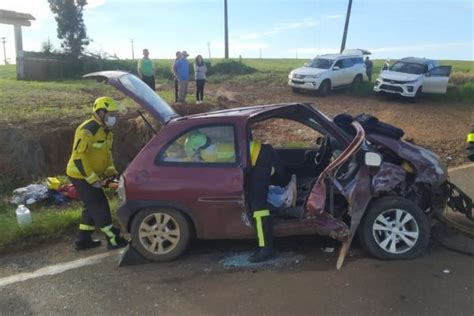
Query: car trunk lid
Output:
(136,89)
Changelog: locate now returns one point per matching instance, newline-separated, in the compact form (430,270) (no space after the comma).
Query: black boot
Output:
(114,240)
(84,241)
(265,252)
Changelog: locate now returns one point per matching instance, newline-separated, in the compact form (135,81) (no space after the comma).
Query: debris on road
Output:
(241,261)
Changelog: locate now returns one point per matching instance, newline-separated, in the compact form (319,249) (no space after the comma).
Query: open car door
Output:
(436,80)
(136,89)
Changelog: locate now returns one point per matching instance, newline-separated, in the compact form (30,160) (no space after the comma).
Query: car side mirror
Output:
(336,68)
(372,159)
(428,74)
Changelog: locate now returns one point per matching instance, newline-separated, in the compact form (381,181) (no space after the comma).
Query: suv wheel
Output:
(160,234)
(417,96)
(324,88)
(394,228)
(357,81)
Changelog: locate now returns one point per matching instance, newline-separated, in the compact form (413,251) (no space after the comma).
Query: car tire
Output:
(357,81)
(160,234)
(324,88)
(295,90)
(417,96)
(384,224)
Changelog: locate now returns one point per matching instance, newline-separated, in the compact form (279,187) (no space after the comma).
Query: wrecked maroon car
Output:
(357,169)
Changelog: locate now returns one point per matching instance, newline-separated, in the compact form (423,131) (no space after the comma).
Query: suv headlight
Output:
(121,189)
(313,77)
(409,82)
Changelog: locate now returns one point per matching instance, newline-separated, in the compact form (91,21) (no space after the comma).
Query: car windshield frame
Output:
(408,67)
(320,60)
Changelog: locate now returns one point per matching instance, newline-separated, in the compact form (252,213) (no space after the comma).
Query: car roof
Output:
(242,112)
(417,60)
(335,56)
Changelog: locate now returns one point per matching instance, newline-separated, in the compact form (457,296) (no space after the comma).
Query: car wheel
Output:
(417,96)
(324,88)
(357,81)
(160,234)
(394,228)
(295,90)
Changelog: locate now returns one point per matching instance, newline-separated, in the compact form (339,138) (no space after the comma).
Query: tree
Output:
(47,47)
(71,27)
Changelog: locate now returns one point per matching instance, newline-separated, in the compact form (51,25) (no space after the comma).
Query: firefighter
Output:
(470,145)
(91,161)
(266,169)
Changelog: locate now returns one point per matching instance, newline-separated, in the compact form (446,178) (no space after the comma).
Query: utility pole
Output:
(209,49)
(260,53)
(133,49)
(226,30)
(346,26)
(4,51)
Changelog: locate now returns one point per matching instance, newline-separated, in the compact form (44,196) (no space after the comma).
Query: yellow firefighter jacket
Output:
(91,156)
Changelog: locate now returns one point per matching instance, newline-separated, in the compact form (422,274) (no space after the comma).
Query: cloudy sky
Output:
(441,29)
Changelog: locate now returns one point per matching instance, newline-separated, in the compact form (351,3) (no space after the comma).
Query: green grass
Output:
(49,223)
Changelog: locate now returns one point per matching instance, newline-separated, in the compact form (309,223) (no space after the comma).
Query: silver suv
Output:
(327,72)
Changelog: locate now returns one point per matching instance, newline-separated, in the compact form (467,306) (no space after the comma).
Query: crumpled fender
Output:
(388,177)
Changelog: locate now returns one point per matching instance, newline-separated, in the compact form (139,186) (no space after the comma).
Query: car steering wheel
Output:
(323,143)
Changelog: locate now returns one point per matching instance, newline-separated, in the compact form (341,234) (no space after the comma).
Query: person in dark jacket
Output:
(369,65)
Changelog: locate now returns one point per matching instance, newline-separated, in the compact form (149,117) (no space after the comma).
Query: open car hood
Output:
(136,89)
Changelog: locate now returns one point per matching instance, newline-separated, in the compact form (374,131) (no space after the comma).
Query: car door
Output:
(209,180)
(436,80)
(337,73)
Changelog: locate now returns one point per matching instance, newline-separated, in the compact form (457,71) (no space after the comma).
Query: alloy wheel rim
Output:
(159,233)
(396,231)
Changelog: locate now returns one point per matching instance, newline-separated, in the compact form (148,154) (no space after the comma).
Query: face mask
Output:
(110,121)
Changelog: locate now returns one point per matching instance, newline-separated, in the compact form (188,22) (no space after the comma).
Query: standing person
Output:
(386,65)
(200,70)
(176,81)
(369,65)
(91,160)
(146,70)
(182,70)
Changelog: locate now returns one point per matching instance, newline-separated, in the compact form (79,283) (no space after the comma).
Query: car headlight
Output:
(413,81)
(313,77)
(290,75)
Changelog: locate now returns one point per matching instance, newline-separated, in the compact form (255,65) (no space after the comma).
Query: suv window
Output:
(410,68)
(357,60)
(207,145)
(321,63)
(347,62)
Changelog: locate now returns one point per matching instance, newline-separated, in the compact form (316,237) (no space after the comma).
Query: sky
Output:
(438,29)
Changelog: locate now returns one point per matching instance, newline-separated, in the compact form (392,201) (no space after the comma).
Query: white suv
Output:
(411,76)
(327,72)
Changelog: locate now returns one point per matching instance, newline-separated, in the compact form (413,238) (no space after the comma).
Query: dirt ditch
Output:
(37,149)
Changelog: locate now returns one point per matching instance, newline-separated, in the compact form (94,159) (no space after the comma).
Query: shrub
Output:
(230,67)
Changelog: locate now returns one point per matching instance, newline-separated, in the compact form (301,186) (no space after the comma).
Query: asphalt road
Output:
(303,281)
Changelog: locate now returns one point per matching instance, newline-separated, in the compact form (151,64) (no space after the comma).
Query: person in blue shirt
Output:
(182,72)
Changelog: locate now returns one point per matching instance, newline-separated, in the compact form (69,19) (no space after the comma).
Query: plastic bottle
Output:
(23,216)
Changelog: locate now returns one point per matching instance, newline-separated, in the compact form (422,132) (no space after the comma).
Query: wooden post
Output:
(20,71)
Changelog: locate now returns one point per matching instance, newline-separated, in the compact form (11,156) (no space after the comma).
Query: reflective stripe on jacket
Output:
(91,156)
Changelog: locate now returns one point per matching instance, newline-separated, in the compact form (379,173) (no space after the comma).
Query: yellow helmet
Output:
(108,104)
